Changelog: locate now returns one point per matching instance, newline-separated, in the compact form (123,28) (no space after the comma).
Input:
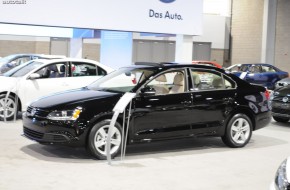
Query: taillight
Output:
(267,94)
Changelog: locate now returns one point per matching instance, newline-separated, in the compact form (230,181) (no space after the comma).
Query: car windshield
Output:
(122,80)
(6,59)
(23,69)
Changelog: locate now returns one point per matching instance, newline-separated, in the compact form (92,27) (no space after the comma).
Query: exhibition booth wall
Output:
(146,47)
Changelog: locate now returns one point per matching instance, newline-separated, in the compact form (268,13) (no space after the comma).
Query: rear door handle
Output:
(186,103)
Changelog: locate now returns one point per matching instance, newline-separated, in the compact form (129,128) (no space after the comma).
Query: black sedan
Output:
(172,101)
(280,103)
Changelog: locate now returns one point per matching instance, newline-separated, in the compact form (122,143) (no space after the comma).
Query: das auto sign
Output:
(155,16)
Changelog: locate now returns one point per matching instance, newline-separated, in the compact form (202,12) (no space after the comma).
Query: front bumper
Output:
(48,132)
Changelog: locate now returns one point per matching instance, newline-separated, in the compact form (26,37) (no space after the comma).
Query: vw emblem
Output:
(33,111)
(285,99)
(167,1)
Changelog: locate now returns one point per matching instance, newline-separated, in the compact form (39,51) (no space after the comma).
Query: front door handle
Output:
(186,103)
(228,99)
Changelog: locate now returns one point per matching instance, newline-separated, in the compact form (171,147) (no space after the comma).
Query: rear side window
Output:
(267,69)
(209,80)
(86,69)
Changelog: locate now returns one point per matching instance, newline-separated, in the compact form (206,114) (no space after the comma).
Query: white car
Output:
(41,77)
(282,178)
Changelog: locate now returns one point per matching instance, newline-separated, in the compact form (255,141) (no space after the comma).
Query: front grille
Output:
(59,138)
(280,98)
(32,134)
(55,138)
(47,137)
(37,112)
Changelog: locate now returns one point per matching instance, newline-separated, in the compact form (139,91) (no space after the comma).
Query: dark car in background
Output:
(280,103)
(259,73)
(9,62)
(172,101)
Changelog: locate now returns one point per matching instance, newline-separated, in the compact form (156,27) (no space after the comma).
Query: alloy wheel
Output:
(240,131)
(7,107)
(100,140)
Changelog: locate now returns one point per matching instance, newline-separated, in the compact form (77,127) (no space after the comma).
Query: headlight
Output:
(65,115)
(281,181)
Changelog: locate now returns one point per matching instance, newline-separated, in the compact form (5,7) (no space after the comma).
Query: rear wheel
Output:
(238,132)
(7,107)
(281,119)
(98,139)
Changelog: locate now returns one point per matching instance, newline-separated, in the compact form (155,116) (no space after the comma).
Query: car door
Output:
(52,79)
(213,94)
(164,114)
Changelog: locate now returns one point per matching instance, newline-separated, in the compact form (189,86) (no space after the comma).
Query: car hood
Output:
(8,83)
(284,91)
(285,80)
(71,97)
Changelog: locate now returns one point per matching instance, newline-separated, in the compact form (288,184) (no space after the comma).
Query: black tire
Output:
(10,107)
(95,137)
(238,131)
(281,119)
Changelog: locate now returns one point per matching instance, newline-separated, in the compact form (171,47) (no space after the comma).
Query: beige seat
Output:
(217,82)
(178,84)
(196,80)
(161,88)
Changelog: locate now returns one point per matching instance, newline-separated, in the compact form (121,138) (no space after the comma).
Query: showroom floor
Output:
(194,164)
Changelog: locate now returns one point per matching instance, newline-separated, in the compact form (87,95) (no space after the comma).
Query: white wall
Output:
(214,30)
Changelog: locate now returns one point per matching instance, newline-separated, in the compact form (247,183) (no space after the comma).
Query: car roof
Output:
(254,64)
(65,59)
(50,61)
(167,65)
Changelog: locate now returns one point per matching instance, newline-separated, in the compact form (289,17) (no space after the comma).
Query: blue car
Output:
(259,73)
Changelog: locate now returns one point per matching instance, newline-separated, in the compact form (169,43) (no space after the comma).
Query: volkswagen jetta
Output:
(172,101)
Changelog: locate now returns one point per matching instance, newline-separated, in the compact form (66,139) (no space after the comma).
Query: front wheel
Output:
(7,107)
(238,132)
(98,140)
(281,119)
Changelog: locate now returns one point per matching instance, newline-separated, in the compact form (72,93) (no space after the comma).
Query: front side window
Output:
(56,70)
(169,83)
(208,80)
(255,69)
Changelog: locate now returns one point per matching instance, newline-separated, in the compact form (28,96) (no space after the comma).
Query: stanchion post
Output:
(120,107)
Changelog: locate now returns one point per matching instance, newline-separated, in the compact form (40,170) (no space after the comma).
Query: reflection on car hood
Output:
(71,96)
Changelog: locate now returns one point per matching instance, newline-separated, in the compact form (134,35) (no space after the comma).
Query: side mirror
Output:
(34,76)
(148,91)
